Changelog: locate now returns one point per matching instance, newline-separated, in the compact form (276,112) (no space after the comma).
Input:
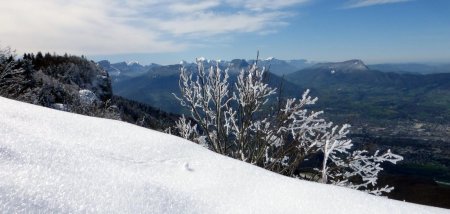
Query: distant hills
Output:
(154,84)
(349,66)
(412,68)
(349,90)
(282,67)
(157,86)
(154,87)
(123,70)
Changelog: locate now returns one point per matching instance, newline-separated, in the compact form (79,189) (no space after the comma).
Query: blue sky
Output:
(167,31)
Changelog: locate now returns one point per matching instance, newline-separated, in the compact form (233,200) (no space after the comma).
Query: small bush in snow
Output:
(236,120)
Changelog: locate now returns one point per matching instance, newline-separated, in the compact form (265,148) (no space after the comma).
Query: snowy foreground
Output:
(57,162)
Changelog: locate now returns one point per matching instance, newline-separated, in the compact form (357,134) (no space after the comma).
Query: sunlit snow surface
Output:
(57,162)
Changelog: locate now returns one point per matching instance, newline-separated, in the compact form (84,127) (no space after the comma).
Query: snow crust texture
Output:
(57,162)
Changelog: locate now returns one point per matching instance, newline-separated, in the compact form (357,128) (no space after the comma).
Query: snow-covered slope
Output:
(56,162)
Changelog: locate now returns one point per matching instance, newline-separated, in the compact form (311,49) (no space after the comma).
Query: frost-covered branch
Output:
(236,120)
(365,167)
(207,96)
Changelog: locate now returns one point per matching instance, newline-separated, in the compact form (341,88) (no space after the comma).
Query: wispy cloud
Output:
(183,7)
(367,3)
(132,26)
(260,5)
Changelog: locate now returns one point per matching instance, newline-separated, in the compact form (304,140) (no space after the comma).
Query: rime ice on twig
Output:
(234,120)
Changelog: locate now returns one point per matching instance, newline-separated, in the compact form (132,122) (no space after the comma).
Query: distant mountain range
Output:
(342,67)
(157,86)
(124,70)
(351,89)
(154,84)
(412,68)
(348,89)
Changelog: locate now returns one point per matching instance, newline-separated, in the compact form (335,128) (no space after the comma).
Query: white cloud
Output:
(207,24)
(259,5)
(131,26)
(366,3)
(182,7)
(76,27)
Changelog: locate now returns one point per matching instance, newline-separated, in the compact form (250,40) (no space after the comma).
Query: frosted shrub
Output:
(236,119)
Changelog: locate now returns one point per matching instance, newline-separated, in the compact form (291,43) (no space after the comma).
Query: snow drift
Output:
(53,161)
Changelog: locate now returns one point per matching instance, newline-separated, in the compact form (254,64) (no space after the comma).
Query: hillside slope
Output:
(57,162)
(350,89)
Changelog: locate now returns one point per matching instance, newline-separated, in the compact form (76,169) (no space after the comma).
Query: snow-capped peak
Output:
(132,63)
(201,59)
(270,58)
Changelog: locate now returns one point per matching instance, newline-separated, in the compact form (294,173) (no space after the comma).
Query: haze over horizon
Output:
(167,31)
